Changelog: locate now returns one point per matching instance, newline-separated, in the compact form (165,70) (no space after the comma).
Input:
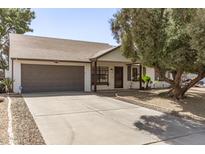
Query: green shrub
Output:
(146,80)
(7,84)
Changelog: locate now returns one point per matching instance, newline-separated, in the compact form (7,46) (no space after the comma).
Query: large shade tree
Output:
(165,39)
(12,21)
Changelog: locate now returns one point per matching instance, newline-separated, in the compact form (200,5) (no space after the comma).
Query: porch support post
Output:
(95,75)
(140,76)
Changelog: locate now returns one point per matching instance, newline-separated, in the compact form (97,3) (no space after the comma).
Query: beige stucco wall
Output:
(17,72)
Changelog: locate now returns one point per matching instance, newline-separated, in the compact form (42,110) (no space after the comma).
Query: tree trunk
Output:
(175,92)
(178,92)
(192,83)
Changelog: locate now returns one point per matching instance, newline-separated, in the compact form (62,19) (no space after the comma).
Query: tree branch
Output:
(200,76)
(162,75)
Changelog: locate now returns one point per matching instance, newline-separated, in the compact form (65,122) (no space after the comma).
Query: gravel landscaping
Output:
(3,122)
(25,130)
(24,127)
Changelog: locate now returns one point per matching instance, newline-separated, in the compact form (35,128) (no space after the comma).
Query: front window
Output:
(102,75)
(135,74)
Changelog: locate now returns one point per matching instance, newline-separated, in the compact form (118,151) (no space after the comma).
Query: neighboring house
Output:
(190,76)
(38,64)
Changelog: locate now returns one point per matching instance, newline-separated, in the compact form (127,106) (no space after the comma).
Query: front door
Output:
(118,77)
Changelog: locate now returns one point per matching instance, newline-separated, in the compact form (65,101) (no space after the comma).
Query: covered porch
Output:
(110,70)
(107,75)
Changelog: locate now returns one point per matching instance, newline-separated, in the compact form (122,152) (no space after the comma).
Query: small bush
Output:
(7,84)
(146,80)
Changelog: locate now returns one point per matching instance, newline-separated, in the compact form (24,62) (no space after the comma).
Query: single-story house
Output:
(41,64)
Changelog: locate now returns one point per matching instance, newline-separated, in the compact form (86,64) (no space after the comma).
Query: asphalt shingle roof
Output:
(35,47)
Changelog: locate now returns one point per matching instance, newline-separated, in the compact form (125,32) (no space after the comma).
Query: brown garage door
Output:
(46,78)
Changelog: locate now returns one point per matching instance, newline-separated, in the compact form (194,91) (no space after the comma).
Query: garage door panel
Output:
(40,78)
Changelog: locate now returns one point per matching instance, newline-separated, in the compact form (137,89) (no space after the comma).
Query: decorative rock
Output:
(25,129)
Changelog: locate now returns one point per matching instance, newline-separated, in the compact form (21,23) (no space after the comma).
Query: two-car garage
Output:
(48,78)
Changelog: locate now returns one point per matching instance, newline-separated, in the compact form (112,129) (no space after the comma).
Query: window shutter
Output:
(128,72)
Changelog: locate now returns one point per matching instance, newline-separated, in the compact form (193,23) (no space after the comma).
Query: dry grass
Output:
(193,106)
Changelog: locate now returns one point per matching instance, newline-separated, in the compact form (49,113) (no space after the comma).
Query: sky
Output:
(77,24)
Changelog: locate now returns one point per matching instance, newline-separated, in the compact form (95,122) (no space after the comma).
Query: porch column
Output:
(140,76)
(95,76)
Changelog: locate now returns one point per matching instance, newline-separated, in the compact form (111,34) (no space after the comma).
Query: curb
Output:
(10,128)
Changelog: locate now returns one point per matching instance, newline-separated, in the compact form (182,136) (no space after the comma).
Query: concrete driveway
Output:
(85,118)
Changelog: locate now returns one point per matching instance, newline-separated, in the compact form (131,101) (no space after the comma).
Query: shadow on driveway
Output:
(172,130)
